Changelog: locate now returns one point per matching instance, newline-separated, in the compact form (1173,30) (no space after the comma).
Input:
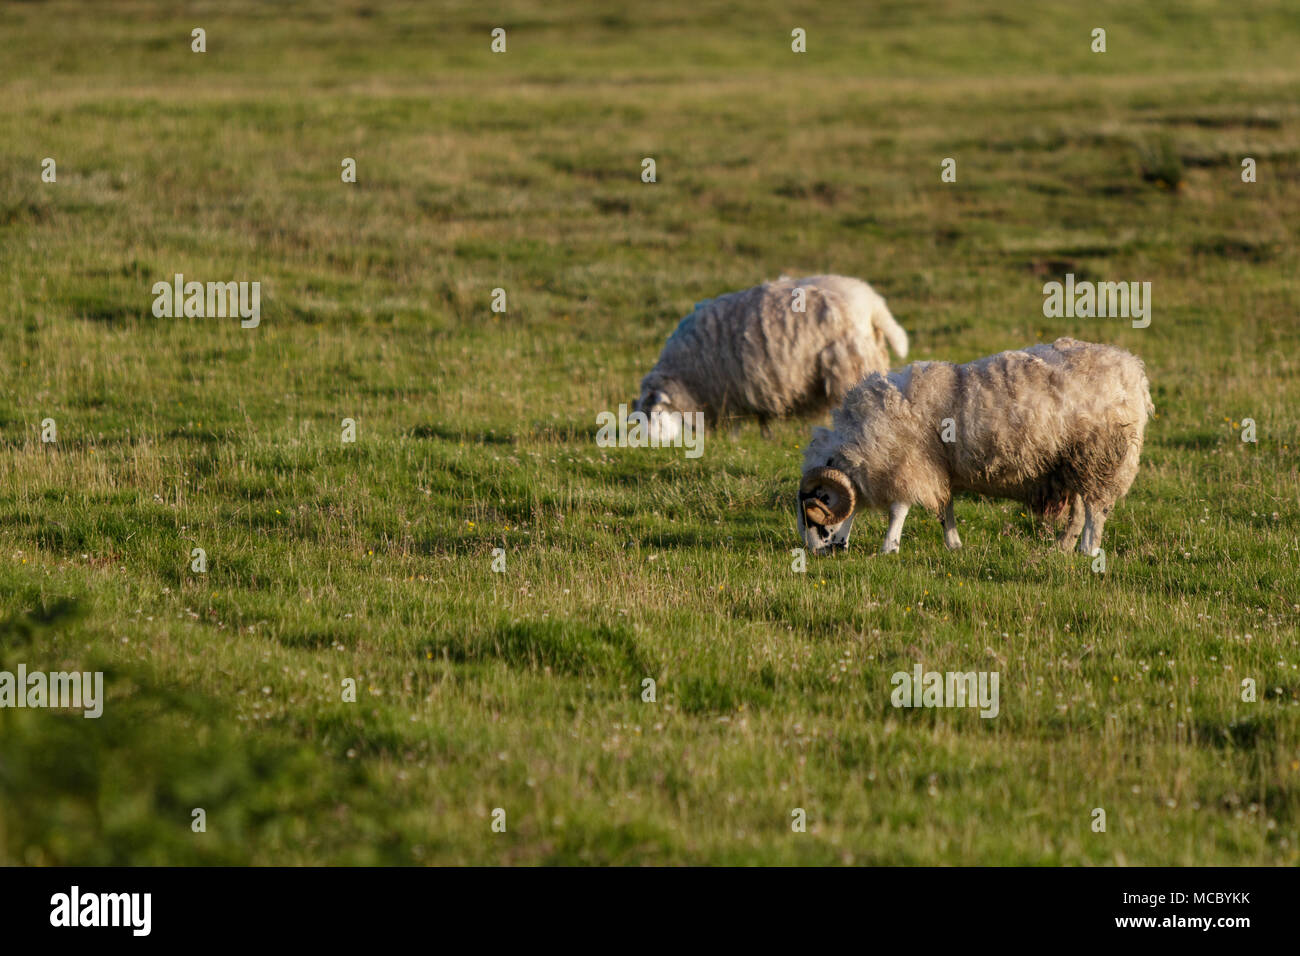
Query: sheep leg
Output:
(950,536)
(1073,525)
(1095,520)
(897,515)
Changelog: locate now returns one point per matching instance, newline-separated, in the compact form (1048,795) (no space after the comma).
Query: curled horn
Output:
(828,496)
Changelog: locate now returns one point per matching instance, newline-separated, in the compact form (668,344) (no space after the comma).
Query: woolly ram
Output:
(1053,426)
(789,347)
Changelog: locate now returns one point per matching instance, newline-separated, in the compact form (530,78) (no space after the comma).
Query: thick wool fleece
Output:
(749,353)
(1040,426)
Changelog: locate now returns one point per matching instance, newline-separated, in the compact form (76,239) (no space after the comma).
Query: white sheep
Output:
(793,346)
(1050,426)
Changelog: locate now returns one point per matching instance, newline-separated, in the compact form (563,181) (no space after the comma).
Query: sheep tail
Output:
(894,334)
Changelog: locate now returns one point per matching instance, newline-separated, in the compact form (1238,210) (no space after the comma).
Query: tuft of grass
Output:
(1161,164)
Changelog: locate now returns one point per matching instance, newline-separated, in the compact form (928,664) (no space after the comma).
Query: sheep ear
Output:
(648,400)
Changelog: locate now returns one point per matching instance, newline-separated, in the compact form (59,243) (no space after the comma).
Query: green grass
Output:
(522,690)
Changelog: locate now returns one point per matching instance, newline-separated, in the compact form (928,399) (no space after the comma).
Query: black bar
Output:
(335,906)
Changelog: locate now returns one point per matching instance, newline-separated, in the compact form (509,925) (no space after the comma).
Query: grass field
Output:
(475,430)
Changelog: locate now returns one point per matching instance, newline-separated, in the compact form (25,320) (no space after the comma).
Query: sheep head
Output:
(825,509)
(663,411)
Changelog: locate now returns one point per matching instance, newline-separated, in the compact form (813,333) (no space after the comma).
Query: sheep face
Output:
(824,510)
(664,421)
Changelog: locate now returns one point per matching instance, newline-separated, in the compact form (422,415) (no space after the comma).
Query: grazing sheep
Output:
(754,353)
(1051,426)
